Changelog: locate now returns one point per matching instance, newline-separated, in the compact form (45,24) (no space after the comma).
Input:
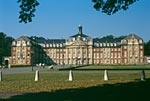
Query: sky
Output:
(55,19)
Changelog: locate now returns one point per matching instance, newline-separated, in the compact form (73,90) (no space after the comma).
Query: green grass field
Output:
(112,67)
(54,84)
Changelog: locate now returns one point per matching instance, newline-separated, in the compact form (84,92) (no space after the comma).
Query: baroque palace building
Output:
(78,49)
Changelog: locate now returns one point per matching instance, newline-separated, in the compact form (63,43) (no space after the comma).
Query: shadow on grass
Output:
(138,90)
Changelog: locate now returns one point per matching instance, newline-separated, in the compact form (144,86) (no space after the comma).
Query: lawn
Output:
(53,82)
(115,67)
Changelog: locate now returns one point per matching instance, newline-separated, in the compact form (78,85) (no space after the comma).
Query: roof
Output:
(23,38)
(102,40)
(130,36)
(56,41)
(43,40)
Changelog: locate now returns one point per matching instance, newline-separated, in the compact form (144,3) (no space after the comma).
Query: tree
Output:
(5,45)
(28,7)
(112,6)
(147,48)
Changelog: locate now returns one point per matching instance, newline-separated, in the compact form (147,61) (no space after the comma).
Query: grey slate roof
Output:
(133,36)
(50,41)
(56,41)
(23,38)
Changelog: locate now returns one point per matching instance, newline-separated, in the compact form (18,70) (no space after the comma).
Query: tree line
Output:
(5,46)
(6,42)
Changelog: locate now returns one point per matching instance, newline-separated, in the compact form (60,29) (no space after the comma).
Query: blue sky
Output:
(60,19)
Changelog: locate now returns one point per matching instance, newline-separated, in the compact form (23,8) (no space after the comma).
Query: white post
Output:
(0,75)
(9,66)
(70,75)
(105,75)
(36,75)
(142,75)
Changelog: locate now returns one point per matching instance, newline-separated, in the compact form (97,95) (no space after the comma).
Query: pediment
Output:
(79,43)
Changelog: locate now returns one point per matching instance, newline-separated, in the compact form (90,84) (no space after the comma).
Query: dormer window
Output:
(95,44)
(47,45)
(83,39)
(28,42)
(14,43)
(111,44)
(18,43)
(115,44)
(60,45)
(140,41)
(53,45)
(108,44)
(50,45)
(104,44)
(124,41)
(101,44)
(73,39)
(57,45)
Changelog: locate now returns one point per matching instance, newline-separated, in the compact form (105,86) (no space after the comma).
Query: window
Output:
(125,54)
(141,53)
(61,45)
(111,44)
(101,55)
(141,60)
(28,54)
(111,61)
(14,55)
(118,61)
(140,41)
(108,44)
(94,55)
(57,45)
(18,43)
(47,45)
(50,45)
(141,47)
(53,45)
(108,55)
(101,44)
(97,55)
(23,43)
(14,43)
(84,39)
(73,51)
(28,42)
(136,54)
(124,41)
(130,53)
(136,60)
(125,60)
(96,44)
(104,44)
(119,55)
(111,55)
